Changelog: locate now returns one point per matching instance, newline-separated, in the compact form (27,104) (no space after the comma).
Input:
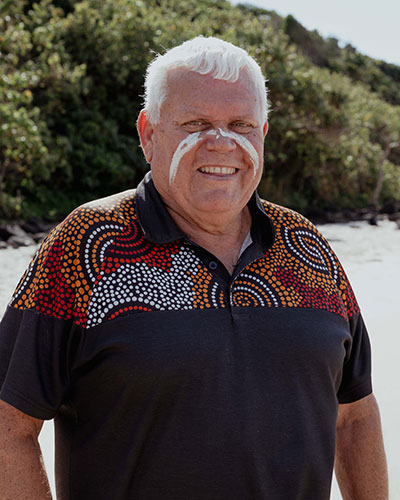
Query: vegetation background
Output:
(71,80)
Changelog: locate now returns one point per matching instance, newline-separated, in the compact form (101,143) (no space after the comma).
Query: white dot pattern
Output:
(318,257)
(256,288)
(102,230)
(148,286)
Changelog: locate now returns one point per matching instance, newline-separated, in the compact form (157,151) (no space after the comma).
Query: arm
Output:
(22,473)
(360,463)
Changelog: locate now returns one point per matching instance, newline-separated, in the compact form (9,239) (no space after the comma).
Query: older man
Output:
(191,340)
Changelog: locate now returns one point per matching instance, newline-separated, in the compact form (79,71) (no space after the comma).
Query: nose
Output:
(220,141)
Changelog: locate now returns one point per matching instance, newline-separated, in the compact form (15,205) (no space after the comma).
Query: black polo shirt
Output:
(170,379)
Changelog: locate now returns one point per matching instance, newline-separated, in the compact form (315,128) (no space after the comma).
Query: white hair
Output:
(207,56)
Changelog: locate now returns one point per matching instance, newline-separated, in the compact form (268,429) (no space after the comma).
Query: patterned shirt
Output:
(170,378)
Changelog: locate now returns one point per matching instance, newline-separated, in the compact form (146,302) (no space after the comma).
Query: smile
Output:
(218,170)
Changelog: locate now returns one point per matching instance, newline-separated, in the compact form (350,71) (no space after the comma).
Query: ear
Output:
(146,134)
(265,128)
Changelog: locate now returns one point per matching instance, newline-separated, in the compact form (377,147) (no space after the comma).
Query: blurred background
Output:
(71,81)
(71,85)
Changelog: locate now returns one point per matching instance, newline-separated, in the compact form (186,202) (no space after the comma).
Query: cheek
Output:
(184,148)
(258,144)
(163,151)
(252,151)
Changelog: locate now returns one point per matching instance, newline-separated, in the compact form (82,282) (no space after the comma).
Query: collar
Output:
(159,227)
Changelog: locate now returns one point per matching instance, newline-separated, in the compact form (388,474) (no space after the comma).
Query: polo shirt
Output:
(167,377)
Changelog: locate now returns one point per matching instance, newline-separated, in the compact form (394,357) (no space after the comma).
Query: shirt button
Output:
(213,265)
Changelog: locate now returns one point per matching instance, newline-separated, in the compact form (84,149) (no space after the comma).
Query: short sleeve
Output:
(356,379)
(46,321)
(356,376)
(36,352)
(41,329)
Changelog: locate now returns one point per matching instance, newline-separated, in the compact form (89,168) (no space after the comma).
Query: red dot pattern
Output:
(299,270)
(59,280)
(101,243)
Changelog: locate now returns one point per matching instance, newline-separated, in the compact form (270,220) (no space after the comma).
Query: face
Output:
(206,152)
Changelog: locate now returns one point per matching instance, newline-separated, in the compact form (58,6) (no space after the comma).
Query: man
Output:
(190,340)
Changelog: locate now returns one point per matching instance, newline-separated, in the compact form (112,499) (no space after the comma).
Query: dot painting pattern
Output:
(97,266)
(299,270)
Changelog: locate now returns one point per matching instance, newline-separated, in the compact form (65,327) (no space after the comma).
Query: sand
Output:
(371,258)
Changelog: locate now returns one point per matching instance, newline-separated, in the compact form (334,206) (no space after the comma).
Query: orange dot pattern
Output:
(97,265)
(206,291)
(299,270)
(60,277)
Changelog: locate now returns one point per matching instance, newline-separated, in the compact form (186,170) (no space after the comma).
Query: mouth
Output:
(218,170)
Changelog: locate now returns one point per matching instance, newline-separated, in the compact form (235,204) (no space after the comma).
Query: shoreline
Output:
(21,233)
(370,256)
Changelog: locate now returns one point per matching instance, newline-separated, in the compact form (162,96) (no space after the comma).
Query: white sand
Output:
(371,257)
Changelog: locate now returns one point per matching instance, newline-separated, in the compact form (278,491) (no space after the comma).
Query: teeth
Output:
(218,170)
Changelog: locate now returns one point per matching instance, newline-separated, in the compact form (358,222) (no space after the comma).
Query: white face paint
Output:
(190,142)
(243,143)
(184,147)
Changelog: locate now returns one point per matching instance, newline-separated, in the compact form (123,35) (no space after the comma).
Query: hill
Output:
(71,80)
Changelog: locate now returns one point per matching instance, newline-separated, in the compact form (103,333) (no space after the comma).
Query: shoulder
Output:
(105,217)
(284,218)
(101,215)
(299,238)
(60,277)
(299,244)
(121,203)
(119,207)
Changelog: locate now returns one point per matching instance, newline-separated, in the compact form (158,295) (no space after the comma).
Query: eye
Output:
(195,125)
(242,127)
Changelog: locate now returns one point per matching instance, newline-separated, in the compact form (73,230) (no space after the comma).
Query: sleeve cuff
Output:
(355,393)
(25,405)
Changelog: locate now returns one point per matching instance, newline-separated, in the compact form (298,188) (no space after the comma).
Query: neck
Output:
(223,236)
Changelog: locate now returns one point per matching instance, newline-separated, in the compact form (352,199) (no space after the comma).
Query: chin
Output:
(217,206)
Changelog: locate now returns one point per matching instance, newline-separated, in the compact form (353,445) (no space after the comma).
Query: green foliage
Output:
(381,77)
(71,80)
(35,72)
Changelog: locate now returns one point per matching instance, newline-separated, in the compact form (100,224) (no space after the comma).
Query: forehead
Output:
(189,92)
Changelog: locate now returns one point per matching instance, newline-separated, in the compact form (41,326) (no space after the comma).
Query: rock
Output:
(395,216)
(4,233)
(351,215)
(18,237)
(36,226)
(373,221)
(14,230)
(24,234)
(39,237)
(392,207)
(316,215)
(22,240)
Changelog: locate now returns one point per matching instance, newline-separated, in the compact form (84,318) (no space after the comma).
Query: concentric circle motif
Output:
(207,293)
(97,265)
(249,290)
(60,278)
(217,296)
(310,248)
(98,240)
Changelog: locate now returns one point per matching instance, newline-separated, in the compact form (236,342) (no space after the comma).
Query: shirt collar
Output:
(159,227)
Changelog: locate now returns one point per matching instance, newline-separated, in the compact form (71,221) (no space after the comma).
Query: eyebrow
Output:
(199,115)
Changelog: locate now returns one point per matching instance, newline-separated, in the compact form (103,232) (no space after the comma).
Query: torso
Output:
(176,380)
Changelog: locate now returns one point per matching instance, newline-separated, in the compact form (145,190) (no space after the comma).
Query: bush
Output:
(70,92)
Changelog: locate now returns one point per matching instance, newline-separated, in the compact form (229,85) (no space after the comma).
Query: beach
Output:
(371,258)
